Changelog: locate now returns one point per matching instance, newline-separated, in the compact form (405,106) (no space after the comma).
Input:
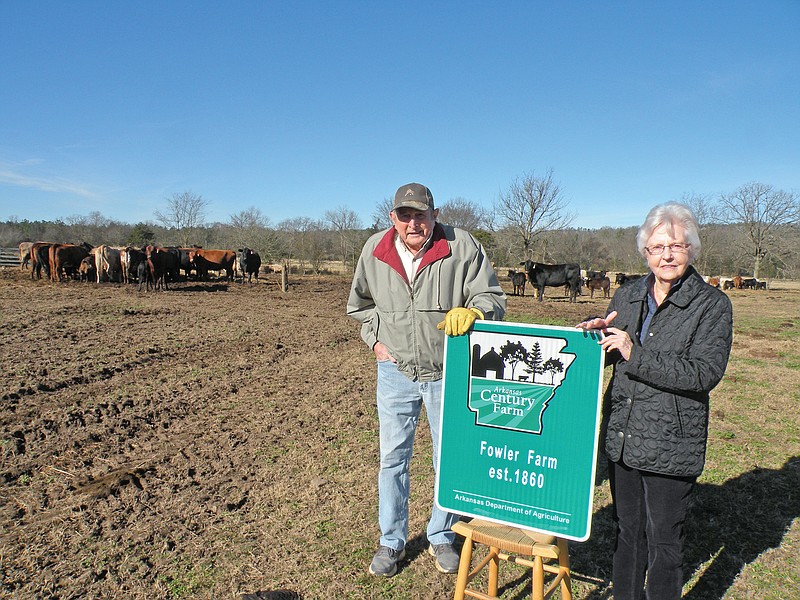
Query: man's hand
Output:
(458,321)
(382,352)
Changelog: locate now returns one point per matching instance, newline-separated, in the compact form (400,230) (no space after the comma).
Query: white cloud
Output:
(14,175)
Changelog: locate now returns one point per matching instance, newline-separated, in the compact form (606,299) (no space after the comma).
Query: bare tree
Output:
(762,211)
(251,218)
(706,211)
(531,206)
(250,228)
(91,228)
(708,215)
(465,214)
(185,213)
(380,216)
(347,226)
(306,241)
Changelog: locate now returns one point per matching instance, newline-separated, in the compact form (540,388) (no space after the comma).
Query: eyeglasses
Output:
(404,216)
(658,249)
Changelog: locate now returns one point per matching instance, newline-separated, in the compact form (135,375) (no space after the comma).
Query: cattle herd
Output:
(151,267)
(155,267)
(572,278)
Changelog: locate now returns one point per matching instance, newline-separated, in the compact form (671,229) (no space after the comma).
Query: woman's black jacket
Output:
(655,412)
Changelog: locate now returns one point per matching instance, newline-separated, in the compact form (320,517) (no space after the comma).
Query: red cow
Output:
(205,260)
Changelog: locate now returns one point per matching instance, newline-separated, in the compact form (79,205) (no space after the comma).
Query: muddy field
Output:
(203,442)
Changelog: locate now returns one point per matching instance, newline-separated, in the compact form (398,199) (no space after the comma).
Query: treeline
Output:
(753,231)
(312,243)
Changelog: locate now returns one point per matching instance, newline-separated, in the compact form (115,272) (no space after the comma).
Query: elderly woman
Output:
(668,336)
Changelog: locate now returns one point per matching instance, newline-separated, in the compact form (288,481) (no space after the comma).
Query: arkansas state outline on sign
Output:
(514,378)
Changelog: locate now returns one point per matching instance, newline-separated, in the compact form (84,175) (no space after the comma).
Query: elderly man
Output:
(412,281)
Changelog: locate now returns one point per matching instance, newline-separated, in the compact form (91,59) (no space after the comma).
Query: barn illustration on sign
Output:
(514,378)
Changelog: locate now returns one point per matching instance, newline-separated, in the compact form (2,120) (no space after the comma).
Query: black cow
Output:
(40,259)
(749,283)
(518,281)
(144,275)
(249,264)
(186,264)
(130,261)
(179,259)
(541,275)
(162,263)
(623,278)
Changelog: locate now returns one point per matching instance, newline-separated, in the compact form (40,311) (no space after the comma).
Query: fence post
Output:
(285,277)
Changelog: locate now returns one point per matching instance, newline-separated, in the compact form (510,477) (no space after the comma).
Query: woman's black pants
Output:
(649,511)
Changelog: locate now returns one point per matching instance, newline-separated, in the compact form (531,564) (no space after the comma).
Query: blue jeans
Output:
(650,512)
(399,403)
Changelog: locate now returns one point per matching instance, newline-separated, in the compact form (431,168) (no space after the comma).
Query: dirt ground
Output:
(203,442)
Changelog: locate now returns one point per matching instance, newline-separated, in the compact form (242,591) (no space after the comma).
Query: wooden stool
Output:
(505,543)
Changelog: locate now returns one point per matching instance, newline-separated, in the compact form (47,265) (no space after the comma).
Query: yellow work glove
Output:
(457,321)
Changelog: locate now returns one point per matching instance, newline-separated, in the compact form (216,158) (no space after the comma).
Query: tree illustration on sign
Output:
(533,362)
(552,366)
(512,354)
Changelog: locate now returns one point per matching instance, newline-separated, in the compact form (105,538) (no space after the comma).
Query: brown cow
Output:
(65,258)
(205,260)
(737,282)
(599,284)
(86,270)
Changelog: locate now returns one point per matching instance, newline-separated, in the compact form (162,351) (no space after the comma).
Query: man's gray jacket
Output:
(453,272)
(656,406)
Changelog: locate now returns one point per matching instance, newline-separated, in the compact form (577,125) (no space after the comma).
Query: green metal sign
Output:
(520,417)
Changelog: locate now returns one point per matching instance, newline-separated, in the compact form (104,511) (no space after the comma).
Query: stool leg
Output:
(563,563)
(463,569)
(537,592)
(494,567)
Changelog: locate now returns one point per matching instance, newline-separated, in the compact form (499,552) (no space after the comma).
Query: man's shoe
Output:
(447,558)
(384,563)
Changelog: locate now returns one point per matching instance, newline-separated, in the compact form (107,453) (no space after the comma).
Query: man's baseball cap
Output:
(413,195)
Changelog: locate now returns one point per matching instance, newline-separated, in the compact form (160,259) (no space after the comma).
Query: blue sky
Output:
(301,107)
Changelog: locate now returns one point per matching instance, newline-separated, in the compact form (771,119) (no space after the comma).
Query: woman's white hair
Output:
(669,215)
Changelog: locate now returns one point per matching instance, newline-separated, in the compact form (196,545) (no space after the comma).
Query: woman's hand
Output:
(613,338)
(617,339)
(598,322)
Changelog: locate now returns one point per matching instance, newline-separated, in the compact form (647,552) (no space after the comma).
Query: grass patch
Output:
(185,580)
